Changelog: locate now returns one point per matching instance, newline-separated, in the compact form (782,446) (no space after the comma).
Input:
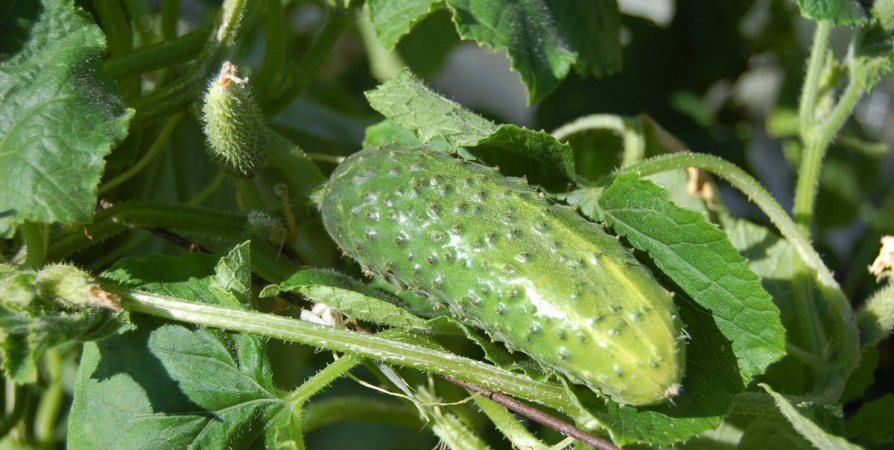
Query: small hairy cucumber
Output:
(532,273)
(234,124)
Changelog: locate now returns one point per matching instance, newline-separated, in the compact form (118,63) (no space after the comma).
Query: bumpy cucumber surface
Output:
(532,273)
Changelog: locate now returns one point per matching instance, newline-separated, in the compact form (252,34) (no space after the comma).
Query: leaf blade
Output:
(196,386)
(59,115)
(544,38)
(701,260)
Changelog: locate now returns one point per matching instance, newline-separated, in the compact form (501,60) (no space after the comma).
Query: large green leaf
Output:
(544,38)
(406,101)
(841,12)
(391,19)
(59,114)
(159,382)
(700,259)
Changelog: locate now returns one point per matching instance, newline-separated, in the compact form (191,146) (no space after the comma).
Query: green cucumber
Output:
(531,273)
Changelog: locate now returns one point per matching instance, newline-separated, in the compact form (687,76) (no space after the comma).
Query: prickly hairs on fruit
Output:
(234,124)
(531,273)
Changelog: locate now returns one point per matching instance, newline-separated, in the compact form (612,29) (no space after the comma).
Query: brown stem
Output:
(538,416)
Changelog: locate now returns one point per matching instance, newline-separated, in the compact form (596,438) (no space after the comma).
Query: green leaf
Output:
(519,151)
(232,279)
(388,131)
(840,12)
(534,154)
(348,296)
(700,259)
(191,386)
(544,38)
(392,19)
(59,114)
(39,310)
(772,433)
(406,101)
(807,428)
(874,53)
(863,377)
(873,422)
(712,378)
(786,279)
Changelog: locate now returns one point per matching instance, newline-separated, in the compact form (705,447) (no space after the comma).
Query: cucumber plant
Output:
(167,227)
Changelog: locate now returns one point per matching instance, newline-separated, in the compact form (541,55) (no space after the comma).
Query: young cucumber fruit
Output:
(531,273)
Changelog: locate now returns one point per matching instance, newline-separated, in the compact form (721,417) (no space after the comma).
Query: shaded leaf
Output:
(700,259)
(863,377)
(773,433)
(191,387)
(392,19)
(59,114)
(874,53)
(544,38)
(874,422)
(807,428)
(534,154)
(840,12)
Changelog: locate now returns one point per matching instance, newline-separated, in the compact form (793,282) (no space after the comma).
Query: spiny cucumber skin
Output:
(532,273)
(234,125)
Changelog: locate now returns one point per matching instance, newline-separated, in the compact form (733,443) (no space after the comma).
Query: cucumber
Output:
(530,272)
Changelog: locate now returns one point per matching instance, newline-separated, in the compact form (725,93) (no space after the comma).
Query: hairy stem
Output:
(509,425)
(51,401)
(116,26)
(274,47)
(339,19)
(19,395)
(335,410)
(34,234)
(373,347)
(322,379)
(631,131)
(170,13)
(158,56)
(818,136)
(144,161)
(118,218)
(810,90)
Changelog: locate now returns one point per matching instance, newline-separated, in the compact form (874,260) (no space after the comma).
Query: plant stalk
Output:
(373,347)
(158,56)
(339,19)
(144,161)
